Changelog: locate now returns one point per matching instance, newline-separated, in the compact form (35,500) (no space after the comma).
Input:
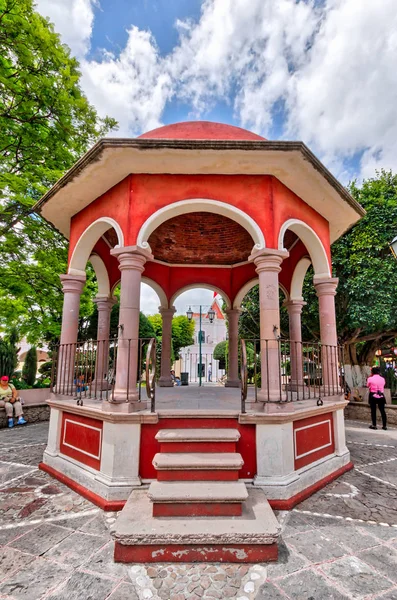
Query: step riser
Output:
(208,553)
(197,475)
(197,509)
(179,447)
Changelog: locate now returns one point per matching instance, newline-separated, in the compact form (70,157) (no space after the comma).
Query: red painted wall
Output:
(313,439)
(150,446)
(81,439)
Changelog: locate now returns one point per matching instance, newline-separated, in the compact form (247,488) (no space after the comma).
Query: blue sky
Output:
(320,71)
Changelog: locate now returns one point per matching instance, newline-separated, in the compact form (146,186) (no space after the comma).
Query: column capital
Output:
(325,286)
(72,284)
(233,311)
(294,306)
(167,312)
(268,259)
(131,257)
(105,302)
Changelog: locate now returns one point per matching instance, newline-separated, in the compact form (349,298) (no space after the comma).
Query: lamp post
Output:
(211,316)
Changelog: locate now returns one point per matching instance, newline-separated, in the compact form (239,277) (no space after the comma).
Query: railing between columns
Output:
(75,369)
(305,370)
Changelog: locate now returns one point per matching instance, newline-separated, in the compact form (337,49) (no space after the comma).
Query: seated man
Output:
(10,401)
(175,379)
(81,386)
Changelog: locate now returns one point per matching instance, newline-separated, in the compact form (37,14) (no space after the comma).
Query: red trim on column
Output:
(289,503)
(181,475)
(81,439)
(229,553)
(114,505)
(246,445)
(313,439)
(197,509)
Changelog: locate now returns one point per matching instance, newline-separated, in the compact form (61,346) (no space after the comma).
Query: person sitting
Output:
(10,401)
(175,379)
(80,384)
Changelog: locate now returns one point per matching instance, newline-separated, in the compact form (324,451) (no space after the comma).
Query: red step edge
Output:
(184,553)
(197,475)
(197,509)
(178,447)
(111,505)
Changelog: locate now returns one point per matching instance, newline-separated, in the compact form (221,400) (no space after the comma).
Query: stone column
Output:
(294,308)
(326,292)
(268,265)
(72,287)
(233,315)
(104,307)
(132,261)
(166,344)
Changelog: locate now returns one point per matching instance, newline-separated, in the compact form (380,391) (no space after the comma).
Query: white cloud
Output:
(73,20)
(329,65)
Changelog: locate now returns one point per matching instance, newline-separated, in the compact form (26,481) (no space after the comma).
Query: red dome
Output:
(200,130)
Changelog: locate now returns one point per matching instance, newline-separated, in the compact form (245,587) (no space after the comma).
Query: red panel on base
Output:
(81,439)
(197,509)
(246,445)
(228,553)
(114,505)
(197,475)
(177,447)
(289,503)
(313,439)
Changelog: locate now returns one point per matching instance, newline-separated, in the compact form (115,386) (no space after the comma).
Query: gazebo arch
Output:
(159,291)
(87,241)
(206,286)
(200,205)
(312,242)
(101,274)
(247,287)
(298,278)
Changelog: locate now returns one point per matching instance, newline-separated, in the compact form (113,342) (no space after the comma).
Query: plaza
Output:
(340,543)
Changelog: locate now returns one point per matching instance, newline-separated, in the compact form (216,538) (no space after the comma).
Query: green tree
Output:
(29,369)
(220,353)
(9,353)
(182,332)
(46,123)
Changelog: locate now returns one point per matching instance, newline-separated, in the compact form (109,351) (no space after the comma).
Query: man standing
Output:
(209,372)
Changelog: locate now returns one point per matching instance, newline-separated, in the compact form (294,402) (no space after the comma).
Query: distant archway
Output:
(312,242)
(206,287)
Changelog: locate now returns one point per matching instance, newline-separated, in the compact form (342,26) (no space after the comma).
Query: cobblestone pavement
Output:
(340,543)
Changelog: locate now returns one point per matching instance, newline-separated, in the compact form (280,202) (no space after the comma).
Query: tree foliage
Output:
(46,123)
(29,369)
(182,332)
(220,353)
(8,354)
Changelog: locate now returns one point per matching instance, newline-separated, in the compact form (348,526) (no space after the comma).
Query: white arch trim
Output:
(312,242)
(200,205)
(298,278)
(248,287)
(159,291)
(206,286)
(102,276)
(87,241)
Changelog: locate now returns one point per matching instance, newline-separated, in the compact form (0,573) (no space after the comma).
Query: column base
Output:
(264,396)
(123,407)
(165,382)
(235,383)
(101,386)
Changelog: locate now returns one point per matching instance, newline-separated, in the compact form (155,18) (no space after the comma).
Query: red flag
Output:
(215,294)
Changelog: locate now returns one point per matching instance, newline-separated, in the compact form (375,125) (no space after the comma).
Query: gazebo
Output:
(197,204)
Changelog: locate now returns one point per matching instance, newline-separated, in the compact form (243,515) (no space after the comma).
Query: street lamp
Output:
(211,316)
(393,247)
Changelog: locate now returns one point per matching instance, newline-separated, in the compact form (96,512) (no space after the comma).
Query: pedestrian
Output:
(10,401)
(376,385)
(209,372)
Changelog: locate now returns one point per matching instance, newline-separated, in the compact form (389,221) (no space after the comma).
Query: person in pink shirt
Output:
(376,385)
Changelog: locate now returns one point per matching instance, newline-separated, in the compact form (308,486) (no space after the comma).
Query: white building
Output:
(212,334)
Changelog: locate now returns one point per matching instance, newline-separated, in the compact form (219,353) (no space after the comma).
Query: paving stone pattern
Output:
(340,543)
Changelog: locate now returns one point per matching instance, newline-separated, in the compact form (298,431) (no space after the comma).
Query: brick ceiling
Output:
(201,238)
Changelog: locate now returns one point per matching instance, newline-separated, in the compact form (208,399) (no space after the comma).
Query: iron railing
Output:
(287,371)
(87,369)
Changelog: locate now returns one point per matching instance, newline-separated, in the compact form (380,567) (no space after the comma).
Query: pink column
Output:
(233,316)
(166,344)
(132,261)
(268,265)
(72,287)
(294,308)
(326,292)
(104,306)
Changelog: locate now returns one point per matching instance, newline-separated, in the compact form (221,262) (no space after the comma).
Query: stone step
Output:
(198,440)
(199,499)
(197,466)
(142,538)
